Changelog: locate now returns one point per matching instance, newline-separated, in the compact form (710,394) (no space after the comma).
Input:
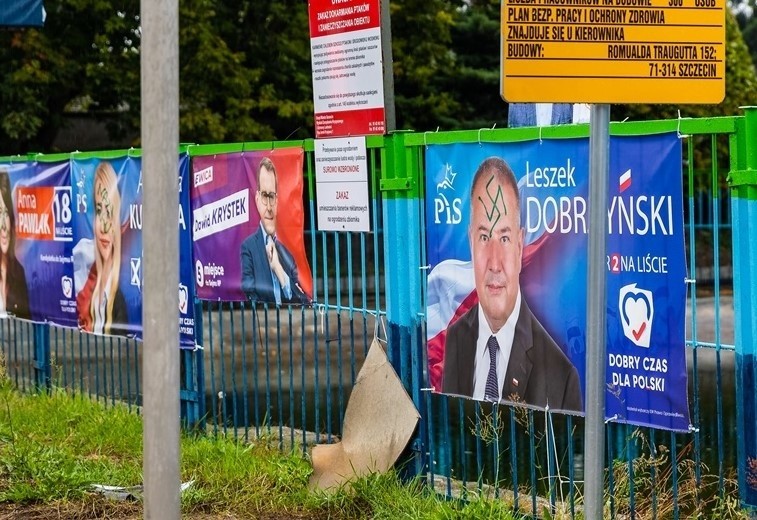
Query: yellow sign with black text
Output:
(613,51)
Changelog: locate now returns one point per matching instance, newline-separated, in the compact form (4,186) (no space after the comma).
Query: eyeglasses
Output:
(269,197)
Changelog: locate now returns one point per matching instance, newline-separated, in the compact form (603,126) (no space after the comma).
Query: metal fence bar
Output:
(359,279)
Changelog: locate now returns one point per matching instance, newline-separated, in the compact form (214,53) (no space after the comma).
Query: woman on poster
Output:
(14,296)
(100,304)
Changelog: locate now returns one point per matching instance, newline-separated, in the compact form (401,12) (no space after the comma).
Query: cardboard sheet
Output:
(378,423)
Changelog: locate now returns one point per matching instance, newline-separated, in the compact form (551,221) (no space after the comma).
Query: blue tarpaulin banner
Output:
(107,252)
(186,267)
(43,210)
(21,13)
(539,260)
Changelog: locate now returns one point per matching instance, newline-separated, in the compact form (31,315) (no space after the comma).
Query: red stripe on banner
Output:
(365,121)
(531,249)
(437,343)
(341,16)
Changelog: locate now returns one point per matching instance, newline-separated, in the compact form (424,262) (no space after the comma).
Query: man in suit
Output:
(498,350)
(269,272)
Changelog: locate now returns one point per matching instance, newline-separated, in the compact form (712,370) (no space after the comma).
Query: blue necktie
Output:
(492,384)
(276,285)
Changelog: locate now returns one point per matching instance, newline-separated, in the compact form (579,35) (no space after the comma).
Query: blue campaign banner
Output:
(21,13)
(514,267)
(14,290)
(43,235)
(107,251)
(186,270)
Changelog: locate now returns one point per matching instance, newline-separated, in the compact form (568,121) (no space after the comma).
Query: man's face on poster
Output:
(266,201)
(496,241)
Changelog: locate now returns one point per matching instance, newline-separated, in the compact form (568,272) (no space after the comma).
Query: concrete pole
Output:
(160,240)
(596,312)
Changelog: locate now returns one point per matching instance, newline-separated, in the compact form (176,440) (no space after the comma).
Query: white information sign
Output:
(345,51)
(341,184)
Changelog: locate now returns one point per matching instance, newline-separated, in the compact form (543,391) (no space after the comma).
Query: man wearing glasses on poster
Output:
(269,272)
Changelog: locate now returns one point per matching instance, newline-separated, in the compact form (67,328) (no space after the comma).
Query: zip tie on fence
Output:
(425,144)
(540,134)
(424,267)
(690,280)
(428,389)
(692,429)
(197,347)
(678,130)
(480,129)
(322,311)
(380,318)
(607,421)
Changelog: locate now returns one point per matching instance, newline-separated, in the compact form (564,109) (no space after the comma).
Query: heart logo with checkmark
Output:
(636,308)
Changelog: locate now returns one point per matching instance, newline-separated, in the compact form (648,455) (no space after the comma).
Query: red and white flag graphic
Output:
(625,181)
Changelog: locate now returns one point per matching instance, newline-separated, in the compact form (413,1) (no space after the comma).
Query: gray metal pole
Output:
(596,312)
(160,240)
(388,62)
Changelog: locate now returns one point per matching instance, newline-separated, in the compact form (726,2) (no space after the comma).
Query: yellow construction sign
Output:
(613,51)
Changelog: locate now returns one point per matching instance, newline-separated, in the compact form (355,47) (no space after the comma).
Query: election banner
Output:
(107,251)
(515,267)
(43,235)
(14,291)
(22,13)
(248,227)
(186,271)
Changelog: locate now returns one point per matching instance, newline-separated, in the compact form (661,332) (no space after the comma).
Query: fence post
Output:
(192,383)
(401,204)
(743,182)
(42,364)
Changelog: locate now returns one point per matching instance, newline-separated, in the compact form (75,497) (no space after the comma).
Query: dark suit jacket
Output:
(120,321)
(544,373)
(257,281)
(18,294)
(524,114)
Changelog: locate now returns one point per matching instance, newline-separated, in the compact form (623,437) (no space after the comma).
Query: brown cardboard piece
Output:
(378,423)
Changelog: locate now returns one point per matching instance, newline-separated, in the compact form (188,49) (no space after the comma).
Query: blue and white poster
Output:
(186,271)
(14,289)
(508,258)
(107,251)
(43,235)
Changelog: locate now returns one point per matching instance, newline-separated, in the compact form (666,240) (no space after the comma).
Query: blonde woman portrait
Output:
(14,296)
(100,304)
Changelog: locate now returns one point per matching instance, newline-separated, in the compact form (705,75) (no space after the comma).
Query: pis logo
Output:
(447,210)
(636,308)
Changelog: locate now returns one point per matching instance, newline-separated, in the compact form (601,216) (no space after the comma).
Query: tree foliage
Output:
(474,80)
(740,86)
(245,74)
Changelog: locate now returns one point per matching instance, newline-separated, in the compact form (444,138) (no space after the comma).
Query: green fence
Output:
(287,372)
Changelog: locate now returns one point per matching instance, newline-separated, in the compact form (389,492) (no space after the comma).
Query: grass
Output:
(652,476)
(54,446)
